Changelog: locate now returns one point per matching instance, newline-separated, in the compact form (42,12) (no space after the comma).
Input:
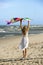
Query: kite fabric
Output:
(13,20)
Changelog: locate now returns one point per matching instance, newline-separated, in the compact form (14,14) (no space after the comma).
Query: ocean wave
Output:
(15,30)
(2,30)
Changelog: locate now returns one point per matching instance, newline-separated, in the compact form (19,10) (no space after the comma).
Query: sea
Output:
(12,30)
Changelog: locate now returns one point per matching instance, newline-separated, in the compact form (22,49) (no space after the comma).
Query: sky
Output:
(21,8)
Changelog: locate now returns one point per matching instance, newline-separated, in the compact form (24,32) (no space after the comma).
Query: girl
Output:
(24,42)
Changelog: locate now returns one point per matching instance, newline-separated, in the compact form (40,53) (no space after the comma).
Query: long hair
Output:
(24,30)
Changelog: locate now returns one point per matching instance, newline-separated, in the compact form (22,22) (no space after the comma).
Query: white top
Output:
(24,42)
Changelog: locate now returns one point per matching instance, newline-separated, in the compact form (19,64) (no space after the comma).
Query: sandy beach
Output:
(10,54)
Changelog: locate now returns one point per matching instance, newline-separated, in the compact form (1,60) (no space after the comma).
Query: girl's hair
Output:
(24,30)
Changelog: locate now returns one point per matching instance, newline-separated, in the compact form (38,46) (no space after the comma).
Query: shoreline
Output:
(19,35)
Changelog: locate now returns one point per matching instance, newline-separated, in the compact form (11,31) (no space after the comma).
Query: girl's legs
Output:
(24,53)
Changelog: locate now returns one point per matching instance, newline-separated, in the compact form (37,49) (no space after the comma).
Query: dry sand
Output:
(11,55)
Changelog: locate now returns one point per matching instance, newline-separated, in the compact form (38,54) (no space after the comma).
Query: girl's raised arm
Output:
(21,24)
(28,25)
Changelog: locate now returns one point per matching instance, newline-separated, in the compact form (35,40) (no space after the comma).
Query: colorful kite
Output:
(28,19)
(17,19)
